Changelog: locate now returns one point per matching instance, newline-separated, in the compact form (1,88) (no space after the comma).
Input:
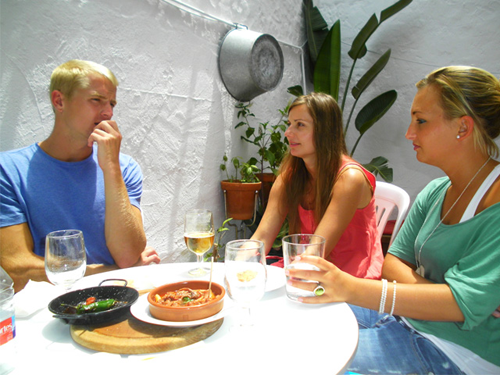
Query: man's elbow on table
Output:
(126,260)
(126,253)
(148,256)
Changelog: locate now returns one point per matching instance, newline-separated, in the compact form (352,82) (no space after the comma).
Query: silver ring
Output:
(319,291)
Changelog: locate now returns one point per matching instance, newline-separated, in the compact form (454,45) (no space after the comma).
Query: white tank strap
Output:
(472,207)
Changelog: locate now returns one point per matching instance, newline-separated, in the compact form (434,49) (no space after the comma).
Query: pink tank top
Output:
(359,250)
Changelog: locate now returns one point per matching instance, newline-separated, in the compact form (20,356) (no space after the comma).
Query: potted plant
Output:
(240,189)
(270,142)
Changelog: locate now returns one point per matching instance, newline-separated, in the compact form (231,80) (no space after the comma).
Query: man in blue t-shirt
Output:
(75,179)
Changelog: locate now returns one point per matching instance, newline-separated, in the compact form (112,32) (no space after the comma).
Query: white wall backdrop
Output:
(175,114)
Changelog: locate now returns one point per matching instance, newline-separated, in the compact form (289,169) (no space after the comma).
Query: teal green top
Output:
(466,256)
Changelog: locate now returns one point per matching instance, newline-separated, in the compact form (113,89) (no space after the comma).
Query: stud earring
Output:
(458,136)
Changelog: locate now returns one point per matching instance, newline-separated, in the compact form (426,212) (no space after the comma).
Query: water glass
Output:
(65,258)
(301,244)
(246,274)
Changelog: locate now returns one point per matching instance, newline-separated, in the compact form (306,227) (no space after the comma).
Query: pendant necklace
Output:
(420,268)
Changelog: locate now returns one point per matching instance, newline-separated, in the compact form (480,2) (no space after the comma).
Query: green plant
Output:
(325,58)
(218,246)
(246,171)
(269,139)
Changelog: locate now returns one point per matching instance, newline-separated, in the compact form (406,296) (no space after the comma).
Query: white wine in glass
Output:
(199,242)
(199,236)
(65,258)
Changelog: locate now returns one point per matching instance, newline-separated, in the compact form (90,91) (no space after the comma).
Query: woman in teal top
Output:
(438,312)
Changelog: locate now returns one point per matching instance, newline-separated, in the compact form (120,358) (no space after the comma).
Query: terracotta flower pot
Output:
(240,198)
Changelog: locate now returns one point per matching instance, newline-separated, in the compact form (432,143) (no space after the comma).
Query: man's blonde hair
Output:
(74,74)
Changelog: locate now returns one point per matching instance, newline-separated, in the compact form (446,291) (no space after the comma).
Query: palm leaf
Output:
(316,29)
(371,74)
(295,90)
(374,110)
(379,166)
(327,70)
(393,9)
(358,47)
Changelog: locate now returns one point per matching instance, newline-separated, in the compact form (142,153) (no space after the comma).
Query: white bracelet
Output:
(393,297)
(383,297)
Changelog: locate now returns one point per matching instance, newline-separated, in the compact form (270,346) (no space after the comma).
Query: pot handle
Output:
(124,281)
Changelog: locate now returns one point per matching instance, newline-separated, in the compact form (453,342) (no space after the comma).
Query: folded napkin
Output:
(35,296)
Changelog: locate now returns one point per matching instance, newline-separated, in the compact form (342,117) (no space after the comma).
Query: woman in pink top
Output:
(323,191)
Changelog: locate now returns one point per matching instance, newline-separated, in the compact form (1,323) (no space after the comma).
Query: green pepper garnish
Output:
(186,299)
(95,306)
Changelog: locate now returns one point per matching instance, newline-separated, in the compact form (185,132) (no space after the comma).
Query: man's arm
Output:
(17,257)
(21,263)
(123,227)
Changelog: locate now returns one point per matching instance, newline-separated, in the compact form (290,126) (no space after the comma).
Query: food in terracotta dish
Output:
(184,301)
(185,297)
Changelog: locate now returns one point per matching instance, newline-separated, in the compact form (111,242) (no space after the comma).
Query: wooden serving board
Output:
(132,336)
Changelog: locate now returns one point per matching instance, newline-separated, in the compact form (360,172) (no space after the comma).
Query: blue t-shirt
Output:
(50,195)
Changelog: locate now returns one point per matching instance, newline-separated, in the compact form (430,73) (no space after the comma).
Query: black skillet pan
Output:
(126,297)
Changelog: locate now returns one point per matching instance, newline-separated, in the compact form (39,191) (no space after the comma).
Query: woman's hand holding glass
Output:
(294,246)
(330,277)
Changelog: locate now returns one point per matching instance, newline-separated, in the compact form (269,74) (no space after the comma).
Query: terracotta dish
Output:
(186,313)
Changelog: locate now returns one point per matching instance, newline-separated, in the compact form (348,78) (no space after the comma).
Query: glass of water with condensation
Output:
(301,244)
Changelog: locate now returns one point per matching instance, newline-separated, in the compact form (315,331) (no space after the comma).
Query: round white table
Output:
(286,336)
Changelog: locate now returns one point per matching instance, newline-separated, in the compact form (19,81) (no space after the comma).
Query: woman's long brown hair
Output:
(330,148)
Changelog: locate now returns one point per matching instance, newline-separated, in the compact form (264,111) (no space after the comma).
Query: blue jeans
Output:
(388,346)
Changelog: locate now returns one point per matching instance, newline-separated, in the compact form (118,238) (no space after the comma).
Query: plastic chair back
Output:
(387,198)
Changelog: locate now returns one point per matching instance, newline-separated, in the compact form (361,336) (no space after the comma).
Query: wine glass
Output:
(199,235)
(65,258)
(246,274)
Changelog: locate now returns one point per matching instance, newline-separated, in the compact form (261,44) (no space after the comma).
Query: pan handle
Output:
(124,281)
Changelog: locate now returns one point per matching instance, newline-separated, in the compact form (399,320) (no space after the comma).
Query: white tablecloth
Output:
(286,338)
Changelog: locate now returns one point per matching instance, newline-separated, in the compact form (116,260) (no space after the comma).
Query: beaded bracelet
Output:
(393,297)
(383,297)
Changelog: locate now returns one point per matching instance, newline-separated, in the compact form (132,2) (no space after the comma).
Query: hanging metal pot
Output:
(250,63)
